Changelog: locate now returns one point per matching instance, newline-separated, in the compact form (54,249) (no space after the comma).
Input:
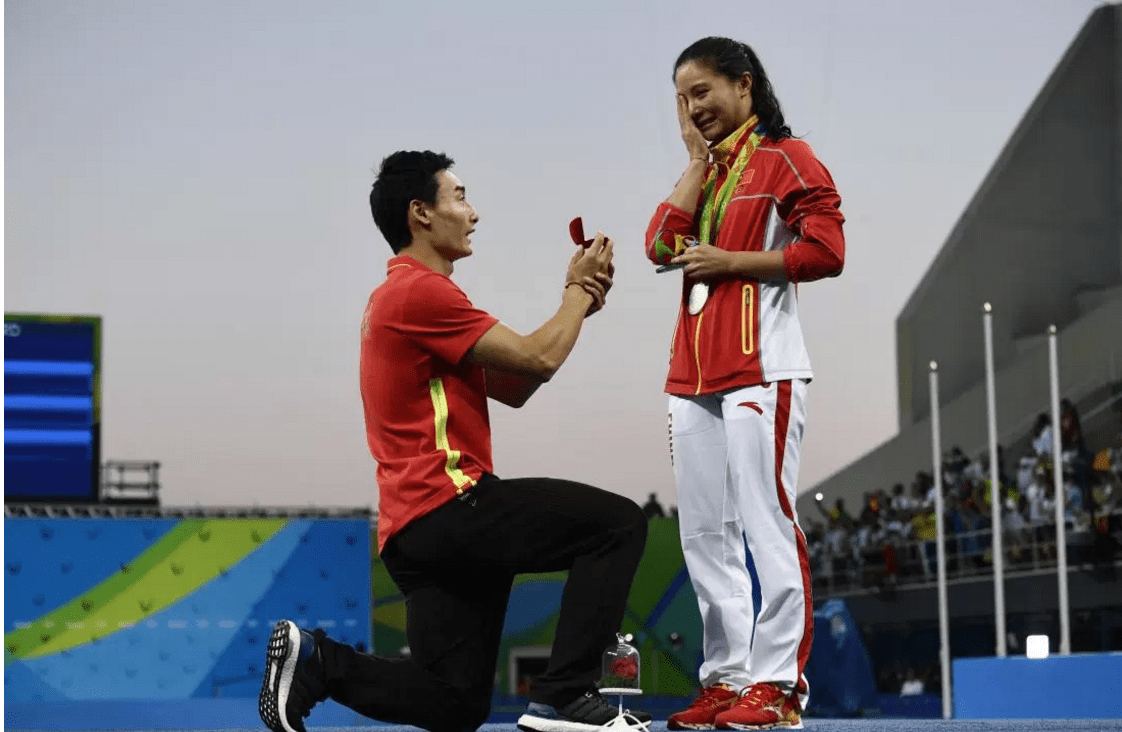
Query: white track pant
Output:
(736,461)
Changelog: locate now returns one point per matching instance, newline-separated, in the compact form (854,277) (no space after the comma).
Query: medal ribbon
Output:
(717,200)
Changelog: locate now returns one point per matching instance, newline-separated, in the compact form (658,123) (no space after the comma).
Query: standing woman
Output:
(765,216)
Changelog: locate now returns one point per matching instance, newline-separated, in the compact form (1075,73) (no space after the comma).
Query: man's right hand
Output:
(590,260)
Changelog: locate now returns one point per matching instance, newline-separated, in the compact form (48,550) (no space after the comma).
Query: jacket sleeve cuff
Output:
(669,226)
(804,261)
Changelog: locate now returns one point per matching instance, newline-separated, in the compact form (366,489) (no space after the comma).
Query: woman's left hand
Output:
(705,261)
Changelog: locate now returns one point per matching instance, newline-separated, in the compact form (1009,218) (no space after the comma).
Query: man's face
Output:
(453,218)
(717,104)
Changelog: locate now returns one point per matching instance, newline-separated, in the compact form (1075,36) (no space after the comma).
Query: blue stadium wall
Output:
(170,608)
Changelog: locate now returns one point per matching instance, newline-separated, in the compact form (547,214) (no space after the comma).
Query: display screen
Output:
(52,407)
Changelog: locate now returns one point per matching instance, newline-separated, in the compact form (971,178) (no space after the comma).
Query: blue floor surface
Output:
(842,725)
(819,725)
(235,715)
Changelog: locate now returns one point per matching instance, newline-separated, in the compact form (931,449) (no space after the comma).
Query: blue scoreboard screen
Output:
(52,408)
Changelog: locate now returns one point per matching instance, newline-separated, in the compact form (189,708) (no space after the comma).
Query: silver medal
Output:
(699,293)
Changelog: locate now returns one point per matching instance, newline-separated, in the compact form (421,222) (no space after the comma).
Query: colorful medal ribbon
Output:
(717,201)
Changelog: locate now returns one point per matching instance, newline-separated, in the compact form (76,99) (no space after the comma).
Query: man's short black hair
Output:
(406,175)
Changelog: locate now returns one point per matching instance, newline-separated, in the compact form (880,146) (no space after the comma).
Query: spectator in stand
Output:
(1108,468)
(1041,507)
(1010,500)
(1075,510)
(895,534)
(980,500)
(957,460)
(652,508)
(818,550)
(1106,525)
(896,527)
(919,496)
(900,502)
(925,529)
(1006,492)
(1017,537)
(1075,451)
(1042,511)
(1042,436)
(968,520)
(871,511)
(836,537)
(977,470)
(912,685)
(927,483)
(1071,434)
(1005,478)
(867,549)
(837,513)
(1109,460)
(1025,469)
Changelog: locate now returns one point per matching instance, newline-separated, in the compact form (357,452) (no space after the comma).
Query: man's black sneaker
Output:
(288,689)
(584,714)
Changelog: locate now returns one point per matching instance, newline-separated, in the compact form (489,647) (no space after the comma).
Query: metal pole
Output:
(1058,482)
(940,549)
(997,495)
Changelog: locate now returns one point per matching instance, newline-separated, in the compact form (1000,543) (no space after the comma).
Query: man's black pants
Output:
(456,567)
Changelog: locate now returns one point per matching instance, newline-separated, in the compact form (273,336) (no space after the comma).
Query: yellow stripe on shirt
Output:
(440,420)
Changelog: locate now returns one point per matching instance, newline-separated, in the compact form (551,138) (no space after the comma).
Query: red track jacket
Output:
(748,332)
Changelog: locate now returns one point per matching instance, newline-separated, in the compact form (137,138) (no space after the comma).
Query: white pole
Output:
(996,493)
(1058,481)
(940,549)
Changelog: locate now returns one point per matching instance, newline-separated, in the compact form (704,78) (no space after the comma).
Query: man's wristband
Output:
(580,285)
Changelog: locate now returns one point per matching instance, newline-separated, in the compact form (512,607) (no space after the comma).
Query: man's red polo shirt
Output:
(425,404)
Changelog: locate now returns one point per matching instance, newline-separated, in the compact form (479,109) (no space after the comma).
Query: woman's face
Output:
(717,105)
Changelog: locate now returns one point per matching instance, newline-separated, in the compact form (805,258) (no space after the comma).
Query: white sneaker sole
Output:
(534,723)
(280,667)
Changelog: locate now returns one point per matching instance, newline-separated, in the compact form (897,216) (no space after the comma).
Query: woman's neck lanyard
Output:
(717,199)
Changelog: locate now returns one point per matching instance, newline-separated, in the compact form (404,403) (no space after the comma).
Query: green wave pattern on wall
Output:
(189,556)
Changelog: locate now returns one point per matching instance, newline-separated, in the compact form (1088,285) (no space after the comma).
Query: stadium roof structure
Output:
(1041,239)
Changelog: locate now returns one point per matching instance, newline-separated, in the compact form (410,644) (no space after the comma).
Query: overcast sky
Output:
(197,173)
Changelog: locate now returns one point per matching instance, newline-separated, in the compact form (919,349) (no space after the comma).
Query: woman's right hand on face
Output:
(696,145)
